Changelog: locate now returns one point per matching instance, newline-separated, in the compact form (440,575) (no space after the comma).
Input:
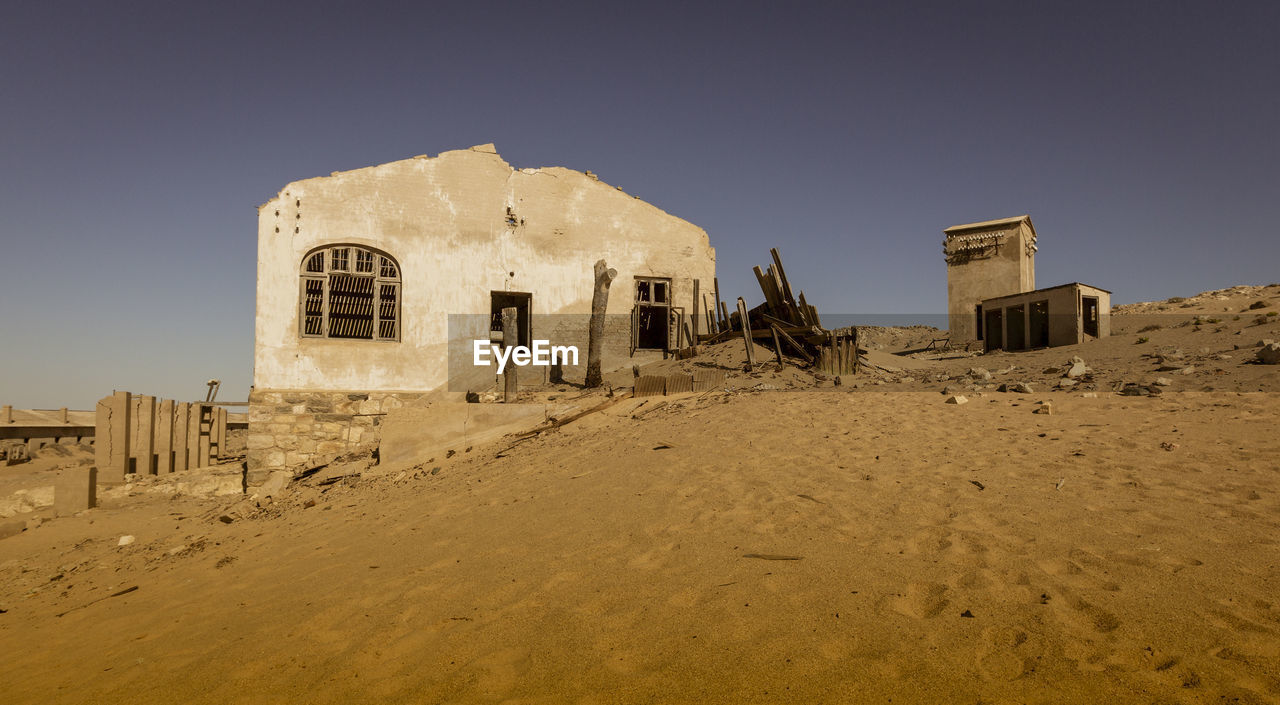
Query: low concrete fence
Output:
(136,435)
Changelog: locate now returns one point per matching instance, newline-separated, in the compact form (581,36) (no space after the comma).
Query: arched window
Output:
(349,292)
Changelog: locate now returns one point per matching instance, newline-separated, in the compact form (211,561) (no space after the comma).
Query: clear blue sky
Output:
(137,140)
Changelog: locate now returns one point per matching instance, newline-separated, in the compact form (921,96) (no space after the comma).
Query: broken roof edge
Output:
(991,224)
(1047,288)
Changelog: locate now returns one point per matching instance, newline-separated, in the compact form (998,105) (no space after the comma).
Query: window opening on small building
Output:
(337,302)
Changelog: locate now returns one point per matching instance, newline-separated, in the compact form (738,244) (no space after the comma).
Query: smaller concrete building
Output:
(1060,315)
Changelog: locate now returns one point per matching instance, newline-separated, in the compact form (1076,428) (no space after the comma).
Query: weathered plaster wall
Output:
(460,225)
(446,221)
(1010,270)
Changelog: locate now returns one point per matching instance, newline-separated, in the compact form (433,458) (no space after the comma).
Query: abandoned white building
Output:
(991,294)
(373,282)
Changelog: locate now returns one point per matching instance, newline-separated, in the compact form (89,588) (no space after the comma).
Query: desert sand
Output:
(782,539)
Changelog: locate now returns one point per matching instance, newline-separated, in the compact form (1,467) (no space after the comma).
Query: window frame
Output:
(384,270)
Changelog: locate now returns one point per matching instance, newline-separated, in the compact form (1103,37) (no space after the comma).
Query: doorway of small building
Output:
(1015,322)
(522,302)
(1038,321)
(652,314)
(994,329)
(1089,313)
(978,310)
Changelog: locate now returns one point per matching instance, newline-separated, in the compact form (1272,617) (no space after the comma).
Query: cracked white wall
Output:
(445,219)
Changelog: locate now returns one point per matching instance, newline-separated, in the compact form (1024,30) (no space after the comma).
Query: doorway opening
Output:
(978,308)
(1039,324)
(1016,328)
(995,329)
(1089,312)
(522,302)
(651,316)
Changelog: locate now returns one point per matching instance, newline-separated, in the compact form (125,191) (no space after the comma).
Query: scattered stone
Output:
(276,484)
(951,389)
(1186,370)
(176,550)
(125,540)
(1045,407)
(1269,354)
(1066,383)
(1163,381)
(1077,369)
(980,373)
(1133,390)
(957,400)
(1089,395)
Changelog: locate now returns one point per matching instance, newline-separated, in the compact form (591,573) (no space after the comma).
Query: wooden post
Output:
(724,309)
(180,423)
(777,345)
(595,340)
(720,306)
(510,339)
(6,415)
(193,436)
(206,435)
(62,413)
(746,333)
(164,438)
(696,303)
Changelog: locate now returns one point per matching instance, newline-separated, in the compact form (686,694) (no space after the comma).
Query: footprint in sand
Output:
(922,600)
(1005,654)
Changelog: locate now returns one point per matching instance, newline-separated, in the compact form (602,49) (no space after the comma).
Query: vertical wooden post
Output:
(696,303)
(6,416)
(510,339)
(193,458)
(62,415)
(777,345)
(181,422)
(595,334)
(746,333)
(206,433)
(720,306)
(724,310)
(164,438)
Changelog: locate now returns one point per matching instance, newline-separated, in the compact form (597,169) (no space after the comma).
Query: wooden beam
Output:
(746,333)
(792,342)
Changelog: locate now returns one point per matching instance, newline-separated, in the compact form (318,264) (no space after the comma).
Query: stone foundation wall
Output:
(287,429)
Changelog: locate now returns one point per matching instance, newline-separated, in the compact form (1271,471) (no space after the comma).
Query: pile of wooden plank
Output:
(784,317)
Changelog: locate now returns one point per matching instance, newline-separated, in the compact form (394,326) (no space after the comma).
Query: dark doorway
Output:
(1039,324)
(1089,312)
(995,329)
(1016,326)
(979,317)
(522,302)
(652,313)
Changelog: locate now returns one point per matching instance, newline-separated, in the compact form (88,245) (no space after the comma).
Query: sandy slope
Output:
(1122,549)
(590,566)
